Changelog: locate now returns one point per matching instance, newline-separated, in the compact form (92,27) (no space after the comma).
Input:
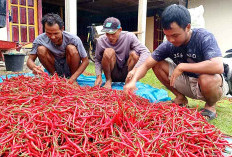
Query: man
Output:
(118,53)
(58,51)
(197,67)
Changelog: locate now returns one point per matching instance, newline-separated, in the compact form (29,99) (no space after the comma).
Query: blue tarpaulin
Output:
(144,90)
(228,149)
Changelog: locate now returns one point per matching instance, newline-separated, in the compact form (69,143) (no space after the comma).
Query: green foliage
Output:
(224,107)
(90,68)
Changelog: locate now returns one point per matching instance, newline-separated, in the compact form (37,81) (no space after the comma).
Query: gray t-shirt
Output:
(59,50)
(202,46)
(126,43)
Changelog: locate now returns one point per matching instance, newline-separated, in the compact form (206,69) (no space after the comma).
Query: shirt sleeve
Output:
(34,47)
(210,47)
(80,47)
(161,52)
(140,49)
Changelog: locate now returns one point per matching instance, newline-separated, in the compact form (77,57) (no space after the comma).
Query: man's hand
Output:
(37,70)
(31,65)
(98,81)
(176,73)
(72,81)
(130,76)
(130,87)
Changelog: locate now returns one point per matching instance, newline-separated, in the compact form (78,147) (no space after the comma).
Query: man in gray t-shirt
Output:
(118,54)
(58,51)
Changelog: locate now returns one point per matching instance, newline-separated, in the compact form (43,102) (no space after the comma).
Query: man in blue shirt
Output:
(196,67)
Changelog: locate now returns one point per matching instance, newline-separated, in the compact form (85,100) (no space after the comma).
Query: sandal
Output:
(181,105)
(207,113)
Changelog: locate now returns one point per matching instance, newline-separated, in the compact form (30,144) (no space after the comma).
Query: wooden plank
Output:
(5,45)
(14,1)
(39,13)
(23,16)
(31,34)
(22,2)
(31,3)
(23,33)
(14,13)
(15,33)
(31,16)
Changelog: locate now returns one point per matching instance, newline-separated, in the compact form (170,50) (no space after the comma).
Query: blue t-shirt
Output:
(59,50)
(202,46)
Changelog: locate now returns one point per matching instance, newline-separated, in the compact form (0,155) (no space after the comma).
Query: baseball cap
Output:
(111,25)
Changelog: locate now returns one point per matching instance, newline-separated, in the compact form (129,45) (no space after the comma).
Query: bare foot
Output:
(108,84)
(181,100)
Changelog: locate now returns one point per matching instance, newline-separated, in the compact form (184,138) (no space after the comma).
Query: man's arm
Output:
(98,81)
(80,70)
(98,66)
(31,64)
(141,50)
(212,66)
(140,73)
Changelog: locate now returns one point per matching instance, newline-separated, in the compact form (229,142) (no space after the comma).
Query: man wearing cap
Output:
(118,53)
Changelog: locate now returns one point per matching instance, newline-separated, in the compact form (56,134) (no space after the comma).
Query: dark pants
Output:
(62,68)
(119,74)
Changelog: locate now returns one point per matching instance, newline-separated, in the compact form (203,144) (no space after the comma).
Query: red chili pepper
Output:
(45,116)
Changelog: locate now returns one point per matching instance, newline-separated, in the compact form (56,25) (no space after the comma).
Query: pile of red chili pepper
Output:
(46,116)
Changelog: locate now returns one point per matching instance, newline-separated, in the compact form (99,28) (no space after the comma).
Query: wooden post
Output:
(142,16)
(71,16)
(184,3)
(39,14)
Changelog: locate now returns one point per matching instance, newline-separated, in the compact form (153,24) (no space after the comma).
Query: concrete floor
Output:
(25,68)
(4,72)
